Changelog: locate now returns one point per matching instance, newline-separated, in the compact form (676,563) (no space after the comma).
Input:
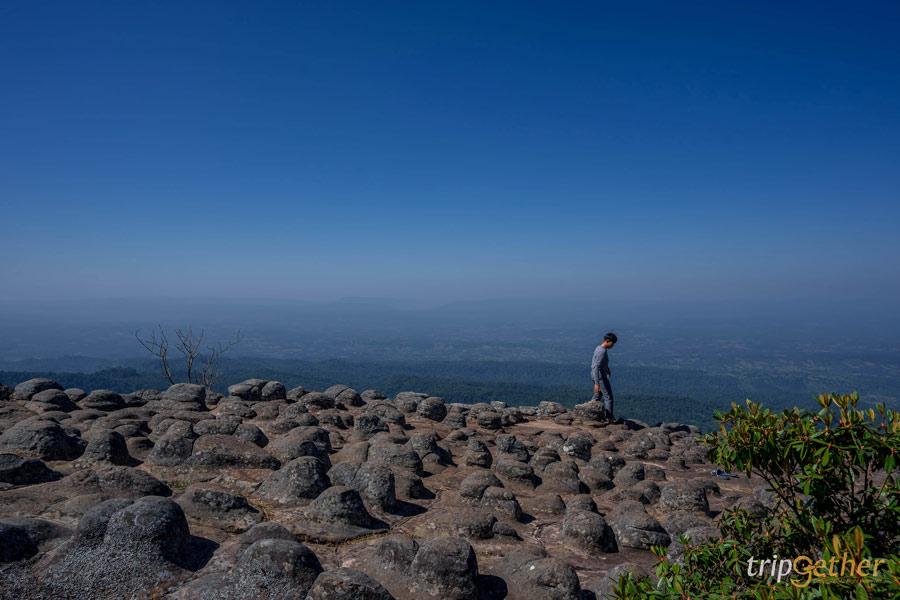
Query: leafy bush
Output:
(836,495)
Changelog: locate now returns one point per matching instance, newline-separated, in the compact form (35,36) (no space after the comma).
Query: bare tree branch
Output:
(189,347)
(211,367)
(159,348)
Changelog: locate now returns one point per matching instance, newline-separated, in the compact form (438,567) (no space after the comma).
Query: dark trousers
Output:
(607,395)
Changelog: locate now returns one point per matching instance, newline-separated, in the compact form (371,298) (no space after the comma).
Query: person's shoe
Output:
(610,420)
(722,474)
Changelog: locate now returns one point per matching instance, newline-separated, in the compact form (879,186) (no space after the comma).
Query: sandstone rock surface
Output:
(331,495)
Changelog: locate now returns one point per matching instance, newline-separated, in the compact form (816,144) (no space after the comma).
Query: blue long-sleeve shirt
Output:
(600,365)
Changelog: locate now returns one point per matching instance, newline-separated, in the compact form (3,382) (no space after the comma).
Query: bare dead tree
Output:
(189,348)
(158,347)
(202,368)
(211,362)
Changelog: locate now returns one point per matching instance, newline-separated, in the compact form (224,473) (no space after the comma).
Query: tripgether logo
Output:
(808,570)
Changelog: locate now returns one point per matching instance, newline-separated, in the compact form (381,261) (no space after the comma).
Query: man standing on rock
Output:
(600,374)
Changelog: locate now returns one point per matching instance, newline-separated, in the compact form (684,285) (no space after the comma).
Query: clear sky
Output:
(450,150)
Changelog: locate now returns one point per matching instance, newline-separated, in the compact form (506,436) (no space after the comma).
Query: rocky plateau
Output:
(269,493)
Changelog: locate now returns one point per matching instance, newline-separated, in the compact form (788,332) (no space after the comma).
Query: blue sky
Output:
(450,150)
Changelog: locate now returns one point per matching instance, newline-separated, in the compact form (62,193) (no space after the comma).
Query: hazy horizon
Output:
(104,327)
(673,359)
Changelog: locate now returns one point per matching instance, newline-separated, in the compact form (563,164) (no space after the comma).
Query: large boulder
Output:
(296,393)
(477,455)
(238,408)
(629,475)
(432,408)
(561,477)
(455,419)
(91,528)
(249,432)
(396,455)
(138,398)
(608,466)
(696,536)
(476,482)
(337,515)
(301,441)
(590,411)
(515,473)
(27,389)
(510,447)
(543,457)
(53,399)
(426,446)
(444,568)
(46,440)
(394,553)
(343,473)
(121,549)
(372,395)
(316,401)
(267,530)
(471,523)
(683,496)
(221,425)
(550,409)
(367,425)
(273,390)
(408,401)
(375,483)
(129,482)
(275,569)
(248,391)
(345,395)
(19,470)
(388,412)
(15,543)
(535,576)
(502,502)
(273,565)
(594,479)
(489,419)
(219,508)
(581,502)
(336,418)
(187,394)
(678,522)
(589,532)
(578,445)
(637,529)
(105,400)
(341,505)
(303,478)
(214,451)
(347,584)
(106,446)
(335,390)
(151,525)
(42,534)
(174,446)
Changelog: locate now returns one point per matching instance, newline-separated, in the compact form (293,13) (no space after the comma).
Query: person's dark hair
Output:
(610,337)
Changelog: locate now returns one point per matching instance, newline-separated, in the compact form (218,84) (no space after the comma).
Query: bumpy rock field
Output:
(268,494)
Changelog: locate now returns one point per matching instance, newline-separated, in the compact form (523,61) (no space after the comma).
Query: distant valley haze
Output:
(676,359)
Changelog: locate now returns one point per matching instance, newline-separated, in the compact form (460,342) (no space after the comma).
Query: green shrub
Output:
(836,496)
